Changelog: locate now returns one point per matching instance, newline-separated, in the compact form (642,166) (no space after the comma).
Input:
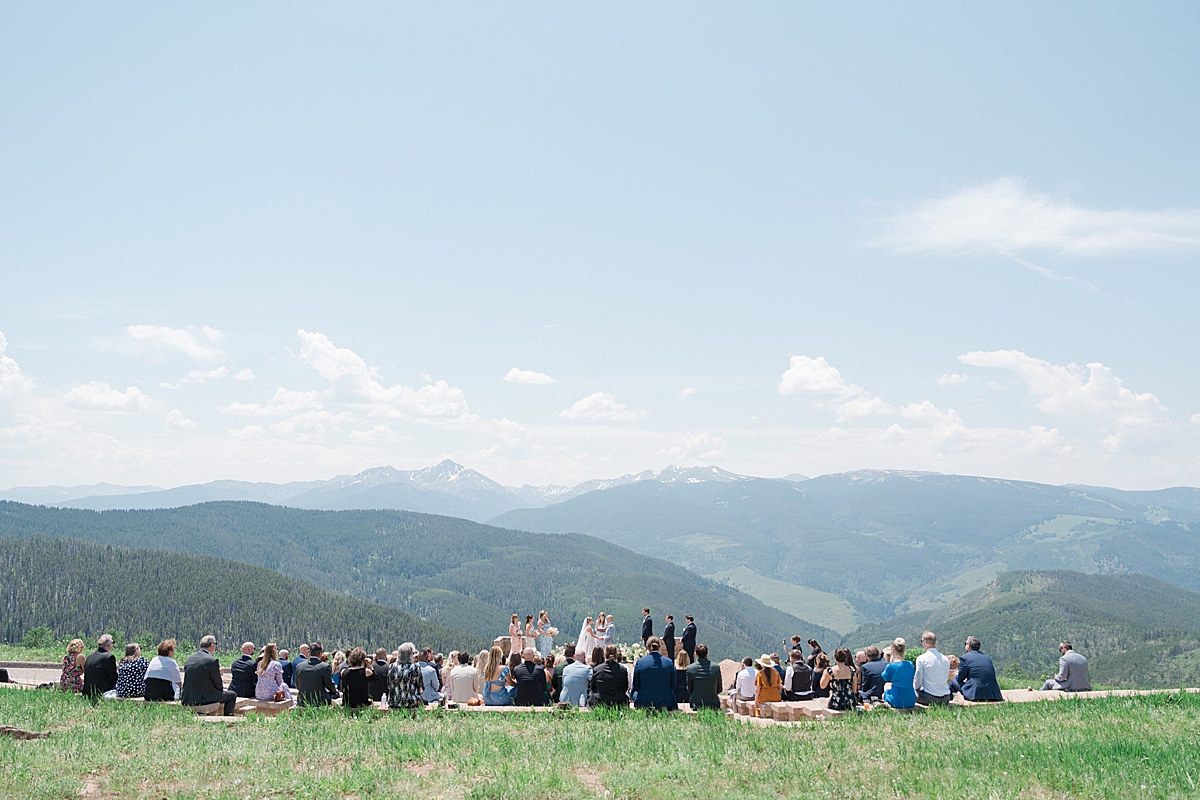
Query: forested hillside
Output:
(464,575)
(1134,629)
(886,542)
(75,587)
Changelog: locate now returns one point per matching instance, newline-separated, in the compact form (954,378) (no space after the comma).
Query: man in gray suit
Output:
(202,683)
(1072,672)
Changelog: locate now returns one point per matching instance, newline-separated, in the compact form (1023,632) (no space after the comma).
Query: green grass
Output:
(1118,748)
(799,601)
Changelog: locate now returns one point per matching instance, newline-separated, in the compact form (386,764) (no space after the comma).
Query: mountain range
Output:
(840,550)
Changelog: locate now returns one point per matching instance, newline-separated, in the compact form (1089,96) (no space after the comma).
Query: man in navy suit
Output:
(668,637)
(977,675)
(285,657)
(297,661)
(654,679)
(688,639)
(647,626)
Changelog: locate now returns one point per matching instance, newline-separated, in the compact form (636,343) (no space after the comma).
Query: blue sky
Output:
(789,238)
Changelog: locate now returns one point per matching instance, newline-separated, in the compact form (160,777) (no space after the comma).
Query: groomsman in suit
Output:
(647,626)
(668,637)
(688,640)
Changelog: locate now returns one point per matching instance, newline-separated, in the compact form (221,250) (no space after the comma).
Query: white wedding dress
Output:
(585,643)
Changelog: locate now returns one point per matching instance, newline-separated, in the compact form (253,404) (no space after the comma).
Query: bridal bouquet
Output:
(552,631)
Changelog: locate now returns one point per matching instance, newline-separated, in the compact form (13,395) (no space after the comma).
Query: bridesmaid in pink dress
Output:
(514,635)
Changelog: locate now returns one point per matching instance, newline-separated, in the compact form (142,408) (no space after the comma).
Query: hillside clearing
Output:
(1117,747)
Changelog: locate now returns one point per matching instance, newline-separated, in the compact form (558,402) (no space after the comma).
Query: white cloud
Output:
(244,375)
(1004,217)
(348,372)
(817,377)
(528,377)
(697,447)
(600,406)
(281,403)
(380,434)
(12,380)
(1072,389)
(212,334)
(952,380)
(248,432)
(176,419)
(684,394)
(174,338)
(198,376)
(102,397)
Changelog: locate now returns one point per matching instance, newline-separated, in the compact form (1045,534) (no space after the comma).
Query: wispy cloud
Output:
(528,377)
(12,380)
(197,376)
(102,397)
(1005,217)
(177,339)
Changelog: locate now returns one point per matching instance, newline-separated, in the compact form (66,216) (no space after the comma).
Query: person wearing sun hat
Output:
(768,686)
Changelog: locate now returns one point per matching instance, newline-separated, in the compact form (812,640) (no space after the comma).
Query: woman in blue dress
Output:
(900,674)
(545,641)
(498,685)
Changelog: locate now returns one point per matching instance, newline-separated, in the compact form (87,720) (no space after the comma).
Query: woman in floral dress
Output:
(842,681)
(71,679)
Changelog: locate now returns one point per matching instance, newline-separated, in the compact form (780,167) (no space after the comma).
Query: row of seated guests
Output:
(871,676)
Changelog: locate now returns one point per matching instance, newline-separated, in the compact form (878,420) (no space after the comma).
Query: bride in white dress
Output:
(587,640)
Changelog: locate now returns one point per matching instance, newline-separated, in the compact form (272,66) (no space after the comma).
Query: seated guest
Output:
(559,667)
(573,682)
(682,662)
(336,662)
(820,667)
(779,666)
(610,682)
(314,680)
(899,673)
(353,682)
(530,680)
(71,678)
(932,678)
(430,677)
(498,686)
(100,669)
(977,675)
(871,674)
(704,682)
(842,681)
(163,679)
(1072,672)
(464,684)
(244,671)
(285,660)
(654,679)
(377,683)
(269,683)
(405,683)
(131,672)
(797,680)
(302,656)
(953,674)
(744,681)
(768,686)
(202,684)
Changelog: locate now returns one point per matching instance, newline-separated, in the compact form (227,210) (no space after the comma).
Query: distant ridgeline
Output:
(74,587)
(1134,629)
(460,574)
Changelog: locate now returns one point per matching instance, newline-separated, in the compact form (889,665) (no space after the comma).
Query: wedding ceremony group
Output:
(524,670)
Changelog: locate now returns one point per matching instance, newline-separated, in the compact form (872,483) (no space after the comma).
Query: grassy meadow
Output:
(1118,747)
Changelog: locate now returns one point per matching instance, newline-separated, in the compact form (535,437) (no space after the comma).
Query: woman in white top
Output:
(464,682)
(163,681)
(601,627)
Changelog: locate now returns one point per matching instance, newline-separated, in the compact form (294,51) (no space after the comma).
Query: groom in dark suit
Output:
(688,639)
(647,626)
(668,637)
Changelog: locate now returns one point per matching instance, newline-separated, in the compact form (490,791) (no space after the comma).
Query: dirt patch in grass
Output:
(592,781)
